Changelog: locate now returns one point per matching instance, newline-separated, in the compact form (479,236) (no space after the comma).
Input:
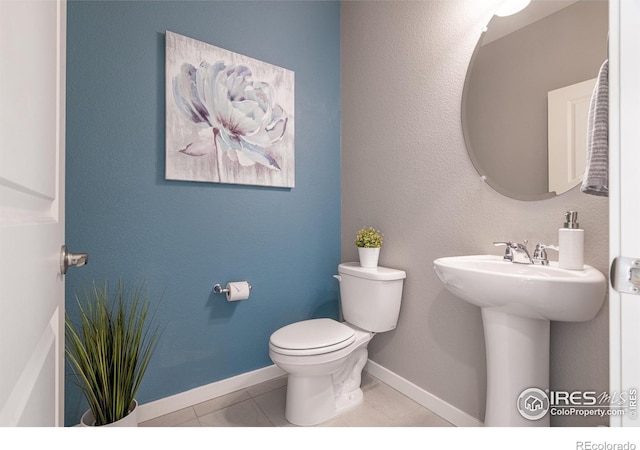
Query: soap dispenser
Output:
(571,243)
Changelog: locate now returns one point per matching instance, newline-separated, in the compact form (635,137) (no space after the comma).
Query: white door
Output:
(567,120)
(624,197)
(32,123)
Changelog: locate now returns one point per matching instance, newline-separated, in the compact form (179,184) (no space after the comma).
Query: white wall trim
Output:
(437,405)
(201,394)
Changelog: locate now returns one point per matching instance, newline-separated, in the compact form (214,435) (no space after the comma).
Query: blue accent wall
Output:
(183,237)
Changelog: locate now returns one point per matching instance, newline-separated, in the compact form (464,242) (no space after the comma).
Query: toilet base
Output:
(313,399)
(348,401)
(320,403)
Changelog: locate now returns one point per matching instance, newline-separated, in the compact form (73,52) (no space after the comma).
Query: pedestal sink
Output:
(518,301)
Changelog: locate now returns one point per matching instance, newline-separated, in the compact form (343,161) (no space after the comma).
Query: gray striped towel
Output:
(596,176)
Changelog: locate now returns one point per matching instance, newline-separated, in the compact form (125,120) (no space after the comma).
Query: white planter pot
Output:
(131,420)
(369,256)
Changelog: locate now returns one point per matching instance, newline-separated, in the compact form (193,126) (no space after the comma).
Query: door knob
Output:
(68,259)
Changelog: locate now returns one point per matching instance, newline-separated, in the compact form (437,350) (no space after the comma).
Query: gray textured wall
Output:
(405,170)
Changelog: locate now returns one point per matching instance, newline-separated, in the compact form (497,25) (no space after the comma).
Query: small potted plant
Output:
(369,241)
(109,349)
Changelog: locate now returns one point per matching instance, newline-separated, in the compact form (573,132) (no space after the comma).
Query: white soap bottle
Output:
(571,243)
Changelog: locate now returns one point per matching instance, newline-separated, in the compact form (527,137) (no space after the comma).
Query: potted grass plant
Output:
(109,348)
(369,242)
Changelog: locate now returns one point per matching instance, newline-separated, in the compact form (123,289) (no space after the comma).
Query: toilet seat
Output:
(312,337)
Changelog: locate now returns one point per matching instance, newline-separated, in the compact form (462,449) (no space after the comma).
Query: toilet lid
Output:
(312,337)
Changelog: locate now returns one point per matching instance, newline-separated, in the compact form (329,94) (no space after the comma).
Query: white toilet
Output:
(324,358)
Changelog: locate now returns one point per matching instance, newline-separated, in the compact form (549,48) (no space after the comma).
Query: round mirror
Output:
(527,93)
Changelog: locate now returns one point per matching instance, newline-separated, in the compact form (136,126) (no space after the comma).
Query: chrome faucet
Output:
(516,252)
(540,254)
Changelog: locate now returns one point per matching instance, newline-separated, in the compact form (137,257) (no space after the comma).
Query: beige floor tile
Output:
(272,404)
(368,381)
(263,405)
(192,423)
(364,415)
(267,386)
(420,418)
(337,422)
(215,404)
(244,414)
(173,419)
(389,402)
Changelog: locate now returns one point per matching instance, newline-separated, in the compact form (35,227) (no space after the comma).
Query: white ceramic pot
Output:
(130,420)
(369,256)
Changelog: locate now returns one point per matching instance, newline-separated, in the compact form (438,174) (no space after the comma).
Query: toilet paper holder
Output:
(218,289)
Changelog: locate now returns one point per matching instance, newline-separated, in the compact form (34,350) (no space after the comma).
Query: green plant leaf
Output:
(110,347)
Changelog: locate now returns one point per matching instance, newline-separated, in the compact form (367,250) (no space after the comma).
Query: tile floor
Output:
(262,405)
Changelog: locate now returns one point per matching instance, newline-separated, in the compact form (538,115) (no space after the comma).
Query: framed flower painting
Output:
(229,118)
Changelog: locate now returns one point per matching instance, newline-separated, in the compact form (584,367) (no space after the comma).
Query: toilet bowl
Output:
(324,358)
(324,379)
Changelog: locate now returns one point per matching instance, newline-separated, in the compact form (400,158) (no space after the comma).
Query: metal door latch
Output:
(68,259)
(625,275)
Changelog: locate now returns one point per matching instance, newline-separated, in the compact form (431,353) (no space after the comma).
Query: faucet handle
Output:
(542,247)
(508,252)
(540,253)
(512,244)
(516,252)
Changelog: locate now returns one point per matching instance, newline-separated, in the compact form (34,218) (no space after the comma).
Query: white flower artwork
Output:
(229,118)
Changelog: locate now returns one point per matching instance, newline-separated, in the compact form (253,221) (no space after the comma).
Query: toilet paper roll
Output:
(238,290)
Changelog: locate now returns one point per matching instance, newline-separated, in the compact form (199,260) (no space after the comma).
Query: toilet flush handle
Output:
(337,277)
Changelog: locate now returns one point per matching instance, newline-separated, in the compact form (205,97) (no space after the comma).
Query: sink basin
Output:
(517,302)
(525,290)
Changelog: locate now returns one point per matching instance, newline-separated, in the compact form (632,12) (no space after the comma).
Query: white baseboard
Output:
(200,394)
(437,405)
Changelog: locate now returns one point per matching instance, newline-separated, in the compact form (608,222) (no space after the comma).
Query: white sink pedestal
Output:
(517,358)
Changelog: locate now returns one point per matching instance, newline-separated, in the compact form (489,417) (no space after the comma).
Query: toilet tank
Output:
(370,297)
